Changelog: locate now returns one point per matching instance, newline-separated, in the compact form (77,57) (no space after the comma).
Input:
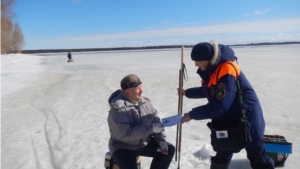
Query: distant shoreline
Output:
(142,48)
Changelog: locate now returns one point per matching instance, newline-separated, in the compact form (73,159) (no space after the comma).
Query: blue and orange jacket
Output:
(220,89)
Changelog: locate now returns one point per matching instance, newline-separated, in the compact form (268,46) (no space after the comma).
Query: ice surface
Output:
(54,112)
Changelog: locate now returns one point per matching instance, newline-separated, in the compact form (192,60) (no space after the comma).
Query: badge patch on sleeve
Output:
(221,91)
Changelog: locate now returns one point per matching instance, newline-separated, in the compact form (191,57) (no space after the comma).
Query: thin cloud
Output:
(164,22)
(280,34)
(258,12)
(166,26)
(233,28)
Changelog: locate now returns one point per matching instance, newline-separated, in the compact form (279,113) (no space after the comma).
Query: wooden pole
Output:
(180,102)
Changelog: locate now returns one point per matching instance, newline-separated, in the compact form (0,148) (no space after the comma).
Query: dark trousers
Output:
(126,159)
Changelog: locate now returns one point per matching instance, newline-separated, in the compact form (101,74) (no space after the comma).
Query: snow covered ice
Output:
(53,113)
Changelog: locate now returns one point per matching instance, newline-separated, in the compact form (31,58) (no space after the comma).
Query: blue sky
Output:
(67,24)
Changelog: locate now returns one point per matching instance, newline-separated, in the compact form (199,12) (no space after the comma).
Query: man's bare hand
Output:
(186,118)
(181,91)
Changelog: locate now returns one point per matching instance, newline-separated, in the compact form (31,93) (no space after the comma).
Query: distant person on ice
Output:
(219,86)
(135,128)
(69,57)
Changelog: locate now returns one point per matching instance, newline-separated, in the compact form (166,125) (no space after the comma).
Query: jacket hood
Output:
(222,54)
(116,99)
(114,95)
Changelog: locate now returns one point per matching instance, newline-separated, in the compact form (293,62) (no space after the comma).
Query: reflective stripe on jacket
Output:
(223,69)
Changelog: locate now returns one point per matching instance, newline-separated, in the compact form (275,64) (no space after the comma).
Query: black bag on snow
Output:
(230,139)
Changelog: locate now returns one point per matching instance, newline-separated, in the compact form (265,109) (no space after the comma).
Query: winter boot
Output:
(217,164)
(268,164)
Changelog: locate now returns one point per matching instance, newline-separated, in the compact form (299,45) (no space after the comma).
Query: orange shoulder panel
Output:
(224,69)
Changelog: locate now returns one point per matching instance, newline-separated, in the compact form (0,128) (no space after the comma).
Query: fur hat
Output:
(130,81)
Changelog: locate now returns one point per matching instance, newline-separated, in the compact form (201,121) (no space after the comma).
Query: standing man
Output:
(218,72)
(69,57)
(135,128)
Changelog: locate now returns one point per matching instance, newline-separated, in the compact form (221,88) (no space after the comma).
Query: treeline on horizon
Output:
(143,48)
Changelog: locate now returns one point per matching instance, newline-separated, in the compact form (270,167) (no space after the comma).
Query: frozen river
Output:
(53,113)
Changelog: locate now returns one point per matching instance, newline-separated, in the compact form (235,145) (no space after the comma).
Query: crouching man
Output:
(135,128)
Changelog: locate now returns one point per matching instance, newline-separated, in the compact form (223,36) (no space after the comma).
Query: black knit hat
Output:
(130,81)
(202,51)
